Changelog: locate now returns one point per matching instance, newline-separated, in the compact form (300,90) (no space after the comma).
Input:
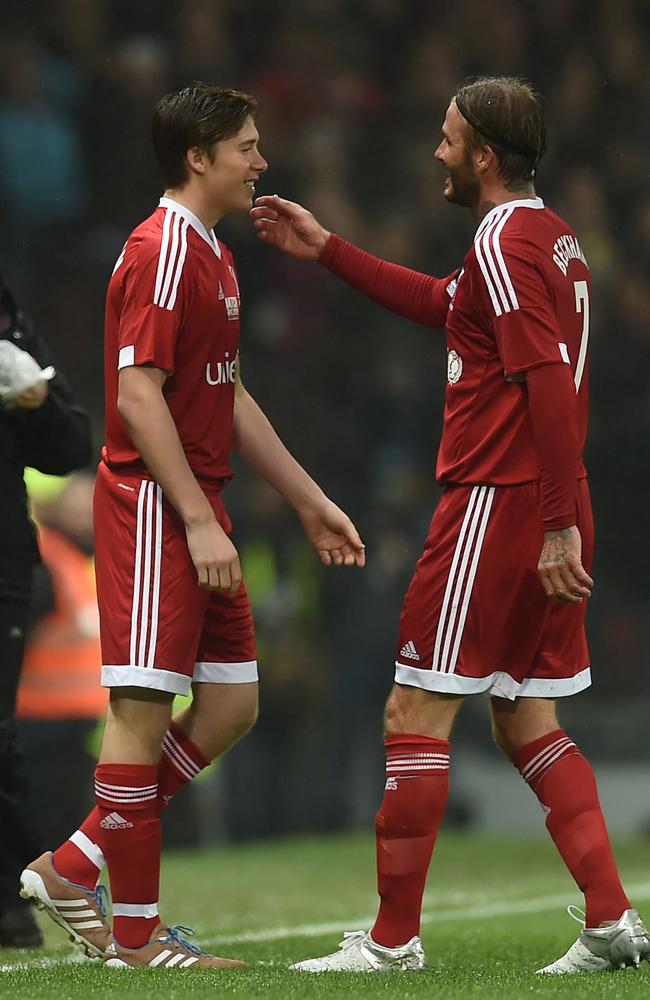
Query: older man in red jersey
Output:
(515,513)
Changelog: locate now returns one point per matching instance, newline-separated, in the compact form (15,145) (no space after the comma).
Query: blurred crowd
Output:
(352,97)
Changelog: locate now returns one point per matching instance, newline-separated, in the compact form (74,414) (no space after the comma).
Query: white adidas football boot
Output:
(613,945)
(359,953)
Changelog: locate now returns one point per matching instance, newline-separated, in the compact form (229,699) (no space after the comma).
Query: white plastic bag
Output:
(19,371)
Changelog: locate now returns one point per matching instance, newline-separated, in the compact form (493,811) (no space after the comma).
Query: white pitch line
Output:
(498,908)
(73,958)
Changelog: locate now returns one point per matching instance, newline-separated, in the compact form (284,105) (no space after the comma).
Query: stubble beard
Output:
(464,187)
(461,191)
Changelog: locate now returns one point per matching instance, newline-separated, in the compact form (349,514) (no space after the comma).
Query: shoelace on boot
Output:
(351,938)
(576,914)
(174,935)
(100,895)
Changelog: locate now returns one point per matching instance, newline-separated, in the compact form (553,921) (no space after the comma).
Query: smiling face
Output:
(462,185)
(227,174)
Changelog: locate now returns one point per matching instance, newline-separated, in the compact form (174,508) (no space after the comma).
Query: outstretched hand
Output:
(334,536)
(289,227)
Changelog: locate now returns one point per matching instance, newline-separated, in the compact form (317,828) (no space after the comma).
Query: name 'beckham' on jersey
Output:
(173,303)
(521,300)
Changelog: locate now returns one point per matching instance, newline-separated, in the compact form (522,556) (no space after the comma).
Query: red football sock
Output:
(180,763)
(130,821)
(564,783)
(417,781)
(80,859)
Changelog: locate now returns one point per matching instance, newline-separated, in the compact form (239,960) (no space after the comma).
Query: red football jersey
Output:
(173,302)
(521,300)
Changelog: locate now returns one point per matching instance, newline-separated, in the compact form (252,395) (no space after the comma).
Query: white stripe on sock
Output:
(171,752)
(87,847)
(550,753)
(147,910)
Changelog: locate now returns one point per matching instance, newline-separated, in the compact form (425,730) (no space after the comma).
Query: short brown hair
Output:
(505,113)
(196,116)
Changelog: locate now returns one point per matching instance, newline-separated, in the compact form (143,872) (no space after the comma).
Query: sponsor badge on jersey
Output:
(454,367)
(232,306)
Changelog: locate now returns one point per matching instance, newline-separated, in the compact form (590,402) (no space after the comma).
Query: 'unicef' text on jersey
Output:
(221,371)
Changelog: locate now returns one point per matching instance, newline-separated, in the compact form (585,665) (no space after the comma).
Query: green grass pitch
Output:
(494,912)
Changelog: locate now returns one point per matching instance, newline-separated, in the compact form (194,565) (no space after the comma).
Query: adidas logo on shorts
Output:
(115,822)
(409,652)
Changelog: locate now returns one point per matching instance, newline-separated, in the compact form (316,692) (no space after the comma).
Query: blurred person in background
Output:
(41,425)
(60,697)
(174,611)
(475,618)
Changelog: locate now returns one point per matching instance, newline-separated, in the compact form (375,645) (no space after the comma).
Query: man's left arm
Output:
(327,527)
(552,412)
(529,341)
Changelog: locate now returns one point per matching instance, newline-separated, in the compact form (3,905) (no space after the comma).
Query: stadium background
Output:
(352,99)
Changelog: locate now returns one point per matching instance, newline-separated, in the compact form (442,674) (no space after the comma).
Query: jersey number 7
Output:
(581,289)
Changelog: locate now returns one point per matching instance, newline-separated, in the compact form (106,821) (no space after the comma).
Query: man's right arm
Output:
(290,227)
(146,415)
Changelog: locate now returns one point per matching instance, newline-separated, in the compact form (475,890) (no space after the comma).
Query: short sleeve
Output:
(155,293)
(525,321)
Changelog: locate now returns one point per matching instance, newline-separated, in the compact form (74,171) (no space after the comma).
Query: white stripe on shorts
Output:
(146,575)
(157,558)
(226,673)
(460,581)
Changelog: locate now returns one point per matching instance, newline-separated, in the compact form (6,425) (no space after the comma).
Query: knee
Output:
(516,724)
(247,719)
(503,739)
(427,713)
(397,714)
(241,719)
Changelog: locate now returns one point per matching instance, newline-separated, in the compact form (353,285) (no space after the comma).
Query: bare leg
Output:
(427,713)
(136,721)
(219,715)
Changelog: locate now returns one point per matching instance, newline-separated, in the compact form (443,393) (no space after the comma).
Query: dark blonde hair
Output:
(505,113)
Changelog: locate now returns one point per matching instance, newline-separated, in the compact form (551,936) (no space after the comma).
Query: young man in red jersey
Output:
(475,618)
(173,607)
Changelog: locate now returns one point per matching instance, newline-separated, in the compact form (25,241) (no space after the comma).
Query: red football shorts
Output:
(158,628)
(475,617)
